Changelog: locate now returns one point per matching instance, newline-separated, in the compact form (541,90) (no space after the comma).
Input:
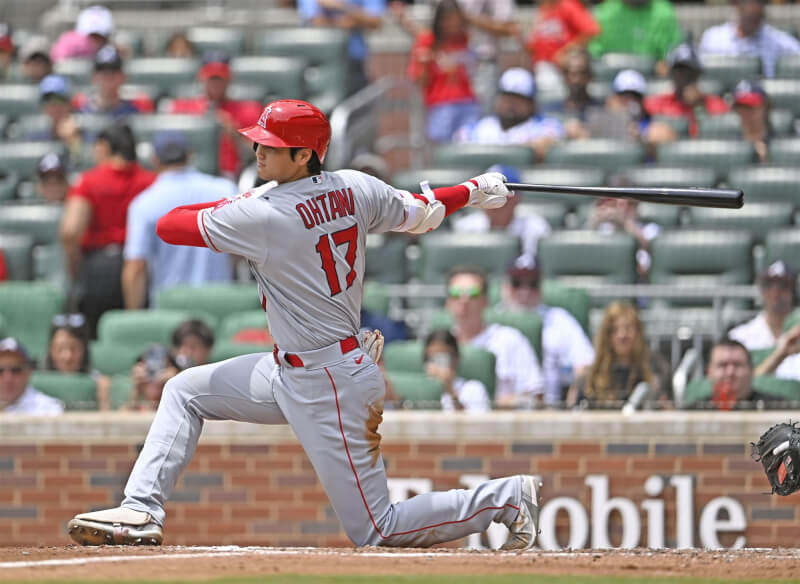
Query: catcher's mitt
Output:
(778,450)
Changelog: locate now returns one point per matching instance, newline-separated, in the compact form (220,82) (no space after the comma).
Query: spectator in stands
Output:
(624,373)
(778,287)
(55,103)
(441,359)
(750,36)
(578,106)
(441,64)
(3,269)
(92,31)
(107,80)
(93,224)
(68,352)
(687,100)
(626,116)
(34,57)
(567,351)
(529,228)
(560,27)
(355,16)
(52,184)
(215,74)
(6,50)
(515,119)
(730,373)
(17,395)
(519,377)
(192,343)
(178,45)
(148,260)
(751,104)
(644,27)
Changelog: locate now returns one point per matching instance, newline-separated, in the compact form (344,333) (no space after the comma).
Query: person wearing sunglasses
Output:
(17,395)
(778,287)
(567,351)
(68,352)
(519,378)
(441,358)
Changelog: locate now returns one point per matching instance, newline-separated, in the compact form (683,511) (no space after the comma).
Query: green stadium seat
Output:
(788,67)
(227,39)
(120,391)
(376,298)
(679,124)
(783,244)
(608,65)
(19,99)
(135,91)
(27,124)
(767,184)
(218,300)
(325,49)
(553,213)
(236,91)
(386,258)
(663,215)
(227,350)
(721,156)
(783,94)
(239,321)
(784,151)
(437,177)
(17,250)
(482,155)
(277,76)
(757,218)
(130,39)
(529,323)
(578,257)
(607,155)
(574,177)
(137,328)
(442,251)
(574,300)
(782,122)
(726,126)
(114,359)
(40,221)
(474,363)
(28,309)
(730,69)
(701,257)
(201,134)
(706,85)
(49,265)
(9,181)
(23,157)
(163,72)
(77,71)
(416,390)
(3,327)
(77,391)
(670,176)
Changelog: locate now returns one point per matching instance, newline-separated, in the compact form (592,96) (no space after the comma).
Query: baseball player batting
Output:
(303,234)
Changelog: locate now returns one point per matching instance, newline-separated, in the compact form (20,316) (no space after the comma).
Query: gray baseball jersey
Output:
(305,242)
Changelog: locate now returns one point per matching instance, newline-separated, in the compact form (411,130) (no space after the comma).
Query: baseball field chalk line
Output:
(231,551)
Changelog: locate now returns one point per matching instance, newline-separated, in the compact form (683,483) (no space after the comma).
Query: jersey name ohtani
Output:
(326,207)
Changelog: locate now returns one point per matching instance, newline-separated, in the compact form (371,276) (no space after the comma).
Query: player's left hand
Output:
(488,191)
(372,341)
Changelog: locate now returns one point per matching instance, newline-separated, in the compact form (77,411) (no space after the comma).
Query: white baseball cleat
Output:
(118,526)
(525,527)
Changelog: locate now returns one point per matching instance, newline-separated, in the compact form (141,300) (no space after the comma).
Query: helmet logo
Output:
(262,121)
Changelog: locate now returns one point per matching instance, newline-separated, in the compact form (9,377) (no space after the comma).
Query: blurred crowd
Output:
(112,192)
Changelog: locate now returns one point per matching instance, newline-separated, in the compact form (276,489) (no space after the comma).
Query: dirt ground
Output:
(202,563)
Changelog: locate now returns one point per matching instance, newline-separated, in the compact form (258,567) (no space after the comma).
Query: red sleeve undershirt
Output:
(179,226)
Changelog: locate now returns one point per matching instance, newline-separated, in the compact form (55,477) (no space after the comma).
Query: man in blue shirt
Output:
(355,16)
(148,258)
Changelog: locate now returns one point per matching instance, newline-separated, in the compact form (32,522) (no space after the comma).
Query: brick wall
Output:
(254,485)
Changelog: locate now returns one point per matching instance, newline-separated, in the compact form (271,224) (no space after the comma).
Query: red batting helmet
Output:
(291,123)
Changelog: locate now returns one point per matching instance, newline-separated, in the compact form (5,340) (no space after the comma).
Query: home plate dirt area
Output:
(74,563)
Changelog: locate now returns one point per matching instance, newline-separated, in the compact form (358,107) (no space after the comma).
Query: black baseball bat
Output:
(690,197)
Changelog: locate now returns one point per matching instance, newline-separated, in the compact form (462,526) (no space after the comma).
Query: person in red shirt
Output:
(232,115)
(440,64)
(687,100)
(560,26)
(93,225)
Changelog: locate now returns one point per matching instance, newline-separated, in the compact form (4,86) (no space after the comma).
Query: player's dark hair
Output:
(314,166)
(473,271)
(441,336)
(731,343)
(193,328)
(120,140)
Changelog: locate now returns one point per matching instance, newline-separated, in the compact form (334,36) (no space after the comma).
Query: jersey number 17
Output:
(347,236)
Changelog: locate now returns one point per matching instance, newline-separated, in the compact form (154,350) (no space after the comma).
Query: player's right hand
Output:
(372,342)
(487,191)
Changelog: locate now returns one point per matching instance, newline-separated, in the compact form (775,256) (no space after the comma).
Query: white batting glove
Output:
(487,191)
(372,341)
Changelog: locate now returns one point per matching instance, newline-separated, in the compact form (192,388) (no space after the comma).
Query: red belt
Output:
(346,345)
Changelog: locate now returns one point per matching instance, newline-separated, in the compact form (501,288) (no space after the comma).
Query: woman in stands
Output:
(624,374)
(441,63)
(68,352)
(441,363)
